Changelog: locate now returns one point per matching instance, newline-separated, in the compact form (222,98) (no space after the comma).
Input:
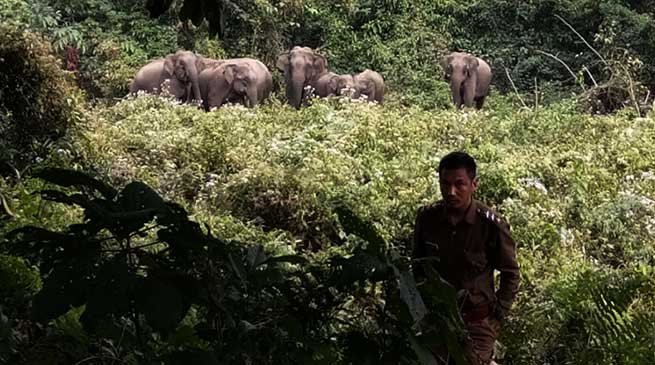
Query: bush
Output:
(573,187)
(18,284)
(157,279)
(38,102)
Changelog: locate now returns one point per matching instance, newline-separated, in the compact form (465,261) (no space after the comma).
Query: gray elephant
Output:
(335,84)
(469,78)
(243,80)
(302,67)
(370,84)
(181,69)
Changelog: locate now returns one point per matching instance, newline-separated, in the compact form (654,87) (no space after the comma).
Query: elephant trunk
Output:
(469,89)
(251,93)
(456,89)
(193,76)
(295,90)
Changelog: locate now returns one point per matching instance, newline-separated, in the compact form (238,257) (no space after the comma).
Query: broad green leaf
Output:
(44,248)
(64,288)
(292,259)
(255,256)
(424,355)
(111,292)
(137,196)
(66,177)
(163,305)
(352,224)
(410,294)
(138,205)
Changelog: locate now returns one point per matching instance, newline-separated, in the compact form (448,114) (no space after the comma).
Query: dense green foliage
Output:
(223,239)
(139,262)
(37,101)
(575,188)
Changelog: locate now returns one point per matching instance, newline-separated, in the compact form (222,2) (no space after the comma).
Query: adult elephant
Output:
(302,67)
(245,80)
(181,69)
(334,84)
(469,78)
(370,84)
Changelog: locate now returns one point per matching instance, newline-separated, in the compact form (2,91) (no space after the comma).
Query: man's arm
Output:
(508,266)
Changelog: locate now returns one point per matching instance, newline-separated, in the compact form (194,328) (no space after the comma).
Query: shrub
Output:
(138,265)
(18,283)
(38,103)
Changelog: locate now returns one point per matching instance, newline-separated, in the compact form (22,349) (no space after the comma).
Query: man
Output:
(470,241)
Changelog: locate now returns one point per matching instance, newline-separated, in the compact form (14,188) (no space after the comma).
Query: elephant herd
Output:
(194,78)
(190,77)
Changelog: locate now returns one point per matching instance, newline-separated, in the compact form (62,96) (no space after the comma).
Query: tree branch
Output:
(564,64)
(585,41)
(514,86)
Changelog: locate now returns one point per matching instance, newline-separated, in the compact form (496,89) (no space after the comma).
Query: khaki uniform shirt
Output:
(469,252)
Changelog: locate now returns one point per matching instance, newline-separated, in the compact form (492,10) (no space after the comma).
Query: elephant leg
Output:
(252,96)
(457,92)
(178,89)
(372,96)
(459,98)
(479,102)
(216,97)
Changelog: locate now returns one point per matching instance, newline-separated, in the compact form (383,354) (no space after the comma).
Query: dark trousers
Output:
(479,344)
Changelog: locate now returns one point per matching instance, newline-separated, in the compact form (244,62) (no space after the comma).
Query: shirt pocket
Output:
(477,262)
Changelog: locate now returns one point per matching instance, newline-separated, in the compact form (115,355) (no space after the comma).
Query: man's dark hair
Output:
(457,160)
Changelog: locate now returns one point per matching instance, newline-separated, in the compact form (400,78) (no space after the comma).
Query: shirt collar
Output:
(471,214)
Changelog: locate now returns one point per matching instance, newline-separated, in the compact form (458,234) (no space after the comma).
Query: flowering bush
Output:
(576,189)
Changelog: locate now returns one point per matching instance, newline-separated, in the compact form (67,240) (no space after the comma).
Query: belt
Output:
(477,313)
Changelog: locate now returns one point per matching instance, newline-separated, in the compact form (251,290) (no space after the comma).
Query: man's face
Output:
(457,188)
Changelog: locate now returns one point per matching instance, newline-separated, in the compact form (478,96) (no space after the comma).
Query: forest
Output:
(140,228)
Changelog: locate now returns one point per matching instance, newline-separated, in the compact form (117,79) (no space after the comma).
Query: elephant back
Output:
(149,77)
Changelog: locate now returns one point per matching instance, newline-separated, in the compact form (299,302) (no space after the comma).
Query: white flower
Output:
(534,183)
(565,236)
(647,175)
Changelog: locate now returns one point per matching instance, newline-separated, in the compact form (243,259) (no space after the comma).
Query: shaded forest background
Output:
(138,230)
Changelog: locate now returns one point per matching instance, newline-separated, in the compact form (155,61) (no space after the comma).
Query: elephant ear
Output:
(365,84)
(229,73)
(282,61)
(333,83)
(447,60)
(202,63)
(471,64)
(447,71)
(320,64)
(169,64)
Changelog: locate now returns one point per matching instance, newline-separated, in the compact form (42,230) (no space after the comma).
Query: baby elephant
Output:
(243,80)
(178,72)
(335,84)
(469,78)
(368,83)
